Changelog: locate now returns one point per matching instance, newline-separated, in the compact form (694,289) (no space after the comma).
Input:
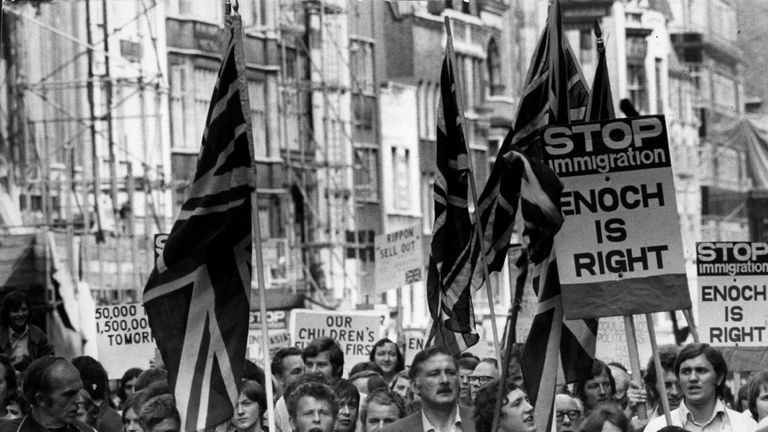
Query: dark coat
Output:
(413,422)
(37,342)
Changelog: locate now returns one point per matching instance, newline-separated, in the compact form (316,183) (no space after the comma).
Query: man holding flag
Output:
(197,297)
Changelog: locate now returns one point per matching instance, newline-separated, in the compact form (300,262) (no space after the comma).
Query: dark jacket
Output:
(37,342)
(413,422)
(28,424)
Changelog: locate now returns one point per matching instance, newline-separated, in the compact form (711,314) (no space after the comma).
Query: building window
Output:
(637,87)
(178,97)
(361,66)
(366,174)
(659,96)
(257,97)
(586,42)
(493,66)
(204,11)
(401,174)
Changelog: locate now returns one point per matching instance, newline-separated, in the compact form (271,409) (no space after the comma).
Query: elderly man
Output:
(485,371)
(701,372)
(434,376)
(52,388)
(312,407)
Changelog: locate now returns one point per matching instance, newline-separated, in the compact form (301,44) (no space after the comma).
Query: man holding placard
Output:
(701,372)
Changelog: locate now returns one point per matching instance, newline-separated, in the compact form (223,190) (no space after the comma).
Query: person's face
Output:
(61,404)
(130,386)
(87,412)
(437,382)
(293,369)
(762,403)
(247,413)
(515,372)
(20,316)
(167,425)
(567,413)
(131,421)
(313,415)
(379,416)
(597,390)
(401,387)
(482,375)
(386,357)
(321,363)
(347,416)
(674,394)
(464,393)
(698,380)
(610,427)
(517,413)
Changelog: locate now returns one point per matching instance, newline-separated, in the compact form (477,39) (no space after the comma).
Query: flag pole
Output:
(634,359)
(691,325)
(473,189)
(256,250)
(659,370)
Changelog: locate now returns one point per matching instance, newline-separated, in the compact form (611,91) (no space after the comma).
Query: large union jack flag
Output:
(197,297)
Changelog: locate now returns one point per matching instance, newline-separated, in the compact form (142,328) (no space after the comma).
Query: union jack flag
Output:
(197,297)
(450,271)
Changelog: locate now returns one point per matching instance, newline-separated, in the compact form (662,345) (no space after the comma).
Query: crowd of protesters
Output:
(40,392)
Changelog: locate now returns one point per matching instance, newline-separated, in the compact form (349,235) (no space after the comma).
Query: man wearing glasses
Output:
(486,371)
(568,412)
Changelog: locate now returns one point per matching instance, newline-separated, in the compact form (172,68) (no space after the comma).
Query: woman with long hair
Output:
(251,403)
(388,357)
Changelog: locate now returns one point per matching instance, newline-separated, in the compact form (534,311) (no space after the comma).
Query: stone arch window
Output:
(493,69)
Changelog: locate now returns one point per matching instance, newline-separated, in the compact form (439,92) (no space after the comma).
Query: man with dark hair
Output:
(287,366)
(467,365)
(312,407)
(159,414)
(96,383)
(701,372)
(324,355)
(380,408)
(434,376)
(52,388)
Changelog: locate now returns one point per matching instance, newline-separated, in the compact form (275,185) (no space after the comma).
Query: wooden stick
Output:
(691,325)
(659,371)
(473,189)
(634,359)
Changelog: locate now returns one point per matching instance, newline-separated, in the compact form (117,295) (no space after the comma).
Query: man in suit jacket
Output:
(434,376)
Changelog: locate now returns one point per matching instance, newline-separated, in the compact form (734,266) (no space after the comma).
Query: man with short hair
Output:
(52,387)
(568,413)
(312,407)
(96,384)
(159,414)
(434,376)
(287,366)
(701,372)
(380,408)
(467,365)
(324,355)
(486,371)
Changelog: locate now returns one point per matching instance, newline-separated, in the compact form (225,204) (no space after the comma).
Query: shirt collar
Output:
(427,426)
(685,413)
(18,336)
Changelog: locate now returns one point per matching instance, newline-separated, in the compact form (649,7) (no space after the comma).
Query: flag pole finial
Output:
(230,6)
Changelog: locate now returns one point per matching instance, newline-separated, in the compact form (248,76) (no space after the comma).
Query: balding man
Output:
(52,387)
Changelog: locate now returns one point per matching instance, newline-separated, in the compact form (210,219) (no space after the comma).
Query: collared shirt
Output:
(722,420)
(455,424)
(19,344)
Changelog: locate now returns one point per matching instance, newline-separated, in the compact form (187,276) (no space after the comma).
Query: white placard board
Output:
(399,259)
(124,338)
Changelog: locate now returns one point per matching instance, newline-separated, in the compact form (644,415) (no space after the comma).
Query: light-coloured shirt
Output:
(428,427)
(282,420)
(19,344)
(722,420)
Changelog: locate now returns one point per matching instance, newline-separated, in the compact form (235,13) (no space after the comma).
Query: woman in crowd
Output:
(516,411)
(387,355)
(126,386)
(606,418)
(131,410)
(381,408)
(758,400)
(349,403)
(598,389)
(8,388)
(251,403)
(21,340)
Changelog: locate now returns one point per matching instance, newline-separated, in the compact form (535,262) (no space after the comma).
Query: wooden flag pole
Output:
(634,359)
(473,190)
(659,370)
(691,325)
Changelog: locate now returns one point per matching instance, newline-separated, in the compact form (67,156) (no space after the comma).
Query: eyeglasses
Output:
(480,379)
(572,414)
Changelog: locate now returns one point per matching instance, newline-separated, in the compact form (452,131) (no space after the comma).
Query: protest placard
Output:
(354,331)
(399,259)
(123,338)
(414,342)
(612,343)
(277,330)
(619,251)
(733,296)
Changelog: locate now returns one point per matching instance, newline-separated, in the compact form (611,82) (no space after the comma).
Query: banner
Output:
(414,342)
(123,338)
(619,251)
(733,293)
(354,331)
(277,331)
(399,259)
